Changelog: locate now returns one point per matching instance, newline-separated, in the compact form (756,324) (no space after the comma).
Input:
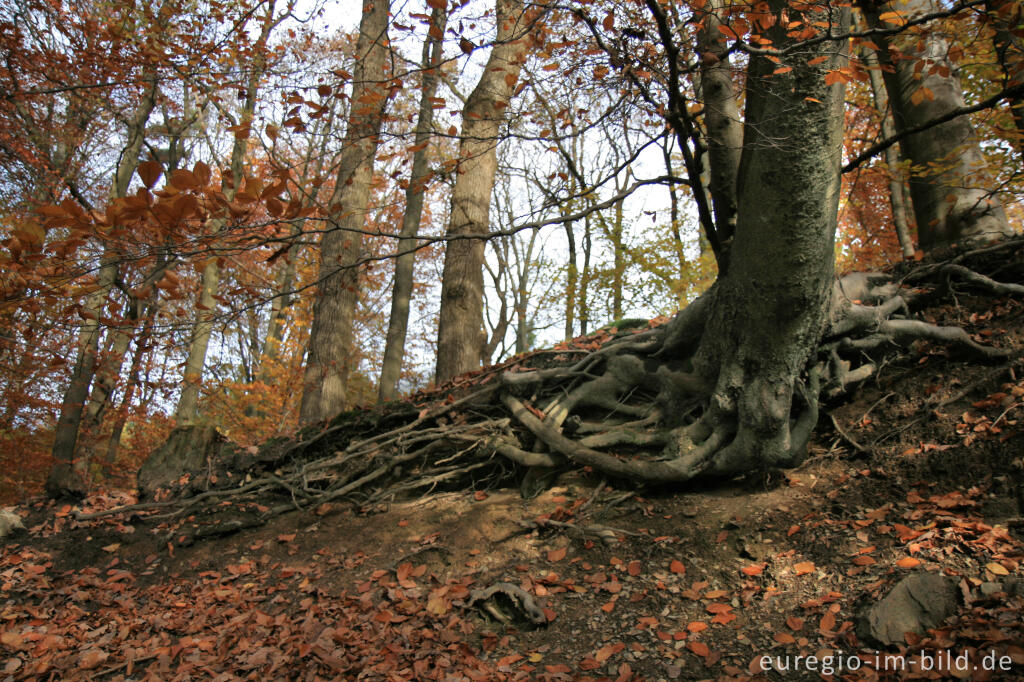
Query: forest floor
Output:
(919,470)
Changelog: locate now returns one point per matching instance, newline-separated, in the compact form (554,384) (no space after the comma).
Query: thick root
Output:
(636,409)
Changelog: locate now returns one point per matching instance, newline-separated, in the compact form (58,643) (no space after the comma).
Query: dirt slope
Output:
(920,470)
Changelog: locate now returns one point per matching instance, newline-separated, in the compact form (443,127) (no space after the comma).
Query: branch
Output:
(1007,93)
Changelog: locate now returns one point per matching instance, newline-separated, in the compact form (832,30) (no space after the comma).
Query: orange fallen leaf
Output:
(677,566)
(698,648)
(804,567)
(557,554)
(697,626)
(753,569)
(908,562)
(634,568)
(607,651)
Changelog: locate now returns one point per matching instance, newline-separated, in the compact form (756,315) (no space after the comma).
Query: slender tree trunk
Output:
(675,224)
(1007,17)
(948,182)
(114,443)
(585,276)
(187,411)
(62,479)
(460,327)
(724,131)
(328,363)
(892,155)
(401,295)
(571,279)
(284,280)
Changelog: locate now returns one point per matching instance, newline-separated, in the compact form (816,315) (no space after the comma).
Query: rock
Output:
(988,589)
(10,523)
(191,450)
(918,602)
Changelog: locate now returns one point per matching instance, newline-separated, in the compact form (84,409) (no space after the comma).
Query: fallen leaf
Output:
(804,567)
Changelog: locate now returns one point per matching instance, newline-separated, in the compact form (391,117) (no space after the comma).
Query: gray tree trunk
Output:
(460,327)
(768,312)
(63,477)
(1007,17)
(401,294)
(892,155)
(325,382)
(724,129)
(948,184)
(187,411)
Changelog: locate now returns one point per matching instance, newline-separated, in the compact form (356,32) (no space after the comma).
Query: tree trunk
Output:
(892,155)
(948,182)
(460,327)
(724,131)
(63,477)
(767,313)
(1006,18)
(328,363)
(401,295)
(187,411)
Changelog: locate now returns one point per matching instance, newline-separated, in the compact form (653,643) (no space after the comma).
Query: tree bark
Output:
(1006,18)
(724,130)
(460,327)
(63,477)
(767,313)
(948,182)
(328,363)
(187,411)
(401,294)
(892,155)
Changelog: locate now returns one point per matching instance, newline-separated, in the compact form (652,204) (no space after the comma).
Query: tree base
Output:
(628,405)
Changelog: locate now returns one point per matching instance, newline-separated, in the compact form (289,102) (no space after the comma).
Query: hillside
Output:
(918,471)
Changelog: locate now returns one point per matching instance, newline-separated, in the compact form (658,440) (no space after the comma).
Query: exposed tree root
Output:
(637,408)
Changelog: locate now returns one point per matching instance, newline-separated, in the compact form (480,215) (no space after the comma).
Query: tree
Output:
(419,176)
(187,411)
(460,327)
(325,384)
(948,184)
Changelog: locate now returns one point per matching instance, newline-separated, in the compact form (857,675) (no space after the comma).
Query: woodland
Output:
(270,265)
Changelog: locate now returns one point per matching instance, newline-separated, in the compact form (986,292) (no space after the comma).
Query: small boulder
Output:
(918,602)
(10,524)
